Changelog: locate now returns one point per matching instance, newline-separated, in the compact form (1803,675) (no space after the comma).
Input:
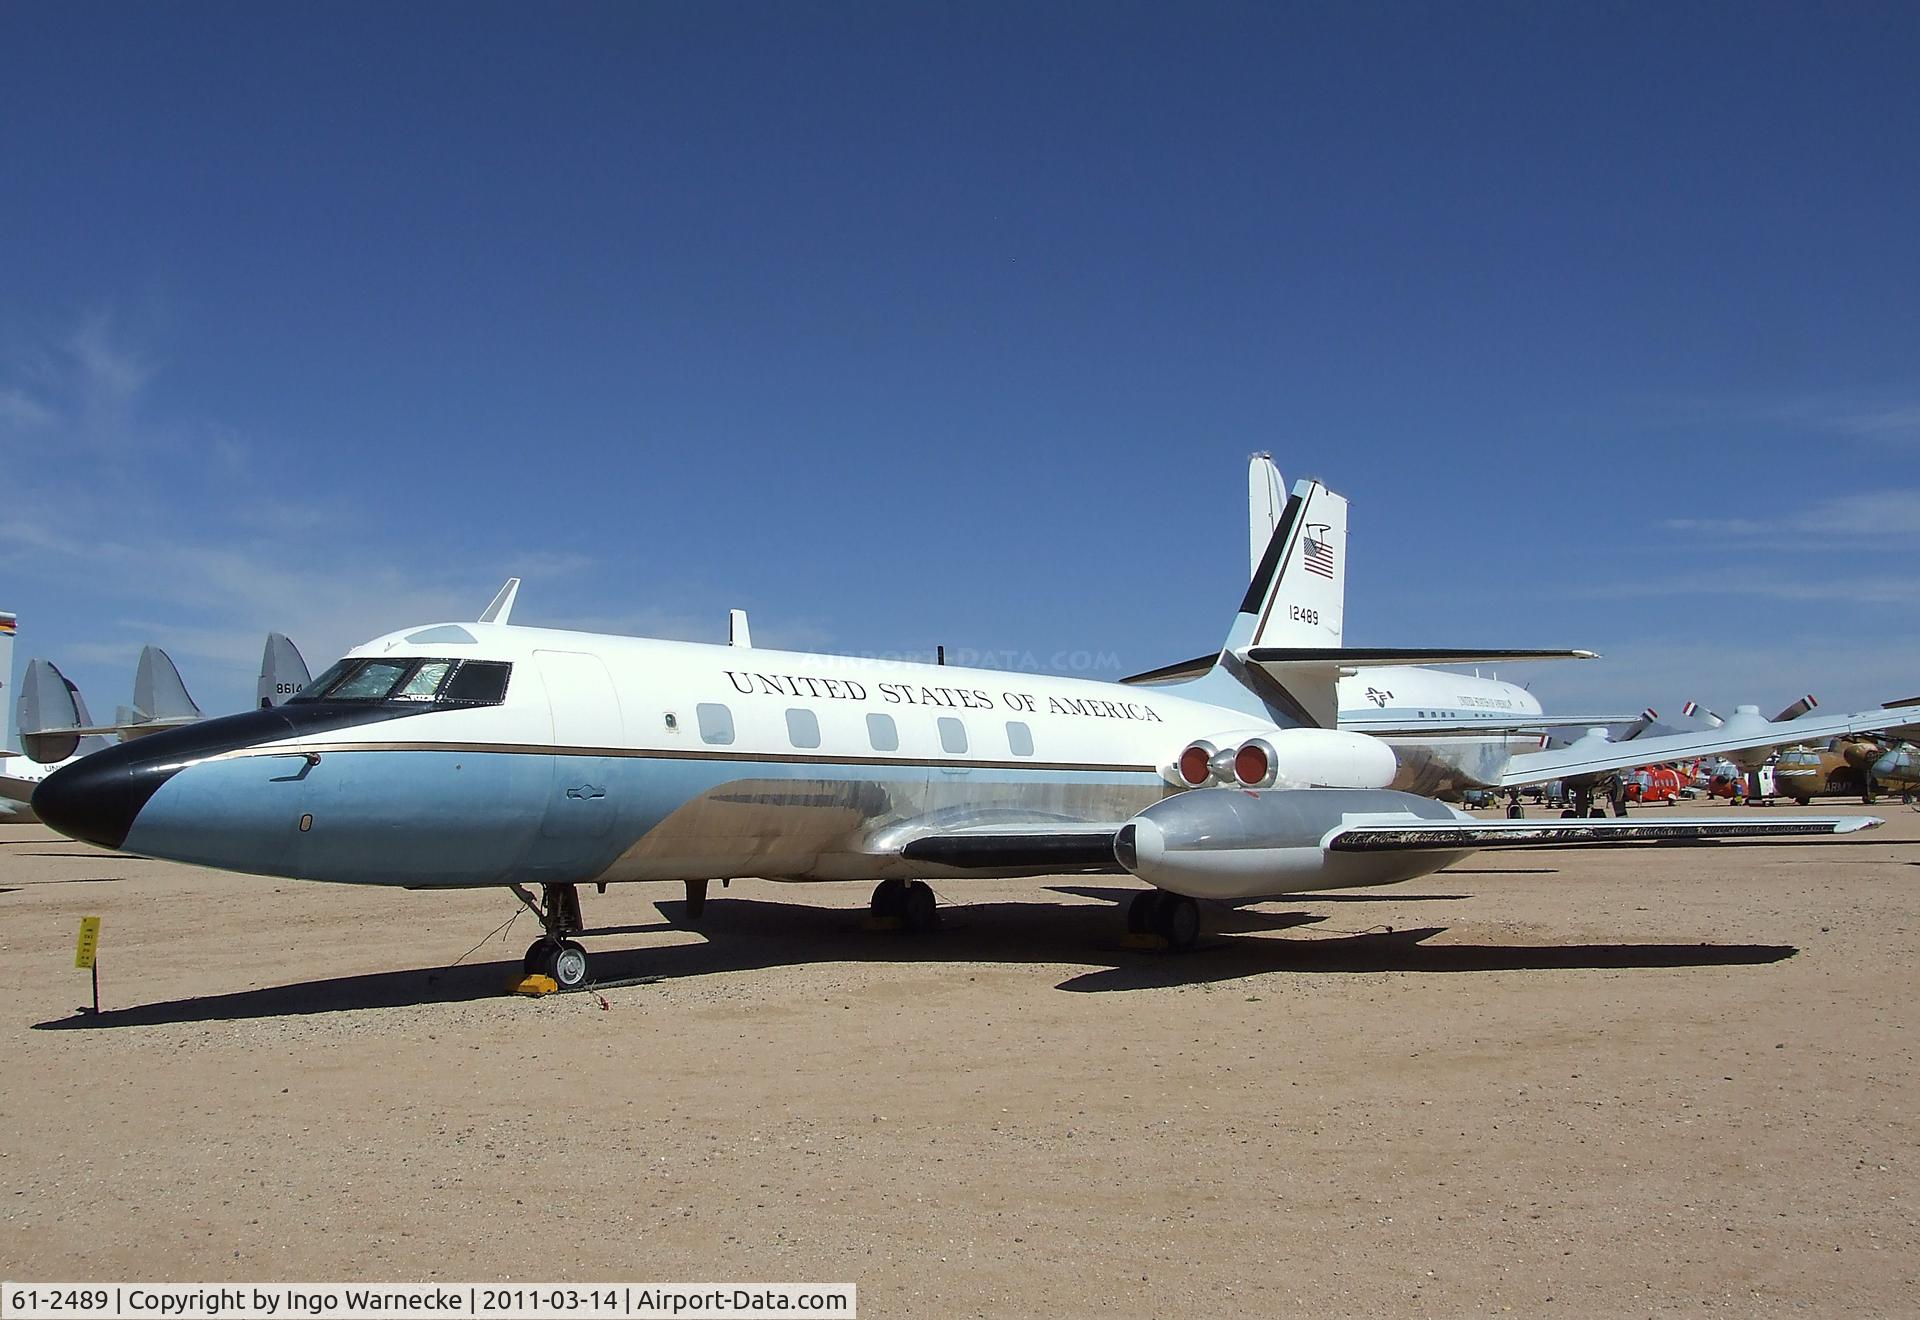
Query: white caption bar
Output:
(426,1301)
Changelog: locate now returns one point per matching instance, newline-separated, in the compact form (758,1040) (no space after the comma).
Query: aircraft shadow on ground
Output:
(744,934)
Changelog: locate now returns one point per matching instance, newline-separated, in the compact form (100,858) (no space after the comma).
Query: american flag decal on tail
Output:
(1316,555)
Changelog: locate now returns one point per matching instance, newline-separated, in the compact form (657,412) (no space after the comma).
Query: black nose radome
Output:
(94,799)
(97,798)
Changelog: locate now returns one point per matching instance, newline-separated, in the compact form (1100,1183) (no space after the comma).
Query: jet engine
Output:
(1228,844)
(1285,758)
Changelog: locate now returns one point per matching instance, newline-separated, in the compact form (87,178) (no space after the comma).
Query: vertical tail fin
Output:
(283,671)
(1297,599)
(51,711)
(1266,501)
(8,625)
(1298,595)
(158,693)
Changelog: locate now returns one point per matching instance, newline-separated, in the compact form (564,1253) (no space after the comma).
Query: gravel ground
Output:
(1632,1081)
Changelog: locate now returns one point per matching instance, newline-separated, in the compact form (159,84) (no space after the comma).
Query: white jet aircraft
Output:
(483,754)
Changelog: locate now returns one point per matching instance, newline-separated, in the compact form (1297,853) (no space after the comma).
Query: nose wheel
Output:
(564,960)
(554,954)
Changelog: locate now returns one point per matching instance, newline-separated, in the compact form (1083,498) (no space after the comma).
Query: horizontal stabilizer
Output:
(1364,657)
(1561,833)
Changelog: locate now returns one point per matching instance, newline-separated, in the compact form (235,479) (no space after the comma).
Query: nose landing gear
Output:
(554,954)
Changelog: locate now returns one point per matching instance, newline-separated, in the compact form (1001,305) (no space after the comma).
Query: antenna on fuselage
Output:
(502,606)
(738,634)
(939,655)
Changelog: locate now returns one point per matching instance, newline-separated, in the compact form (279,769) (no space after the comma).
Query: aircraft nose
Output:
(96,798)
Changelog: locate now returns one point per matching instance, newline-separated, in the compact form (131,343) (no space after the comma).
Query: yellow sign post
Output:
(86,954)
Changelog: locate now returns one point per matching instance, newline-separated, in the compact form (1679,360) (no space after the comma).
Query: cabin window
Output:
(883,733)
(716,723)
(803,727)
(1019,738)
(953,735)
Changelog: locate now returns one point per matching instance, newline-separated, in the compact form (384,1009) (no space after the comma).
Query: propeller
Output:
(1797,709)
(1695,708)
(1639,726)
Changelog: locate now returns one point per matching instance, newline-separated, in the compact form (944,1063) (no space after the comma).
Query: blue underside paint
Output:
(459,819)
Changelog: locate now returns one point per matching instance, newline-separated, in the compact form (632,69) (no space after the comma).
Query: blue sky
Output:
(912,324)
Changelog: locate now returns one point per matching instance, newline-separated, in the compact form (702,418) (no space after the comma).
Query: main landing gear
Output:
(905,904)
(554,954)
(1585,802)
(1175,918)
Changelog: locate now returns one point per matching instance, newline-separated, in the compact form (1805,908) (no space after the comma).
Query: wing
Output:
(1591,756)
(1357,722)
(1445,836)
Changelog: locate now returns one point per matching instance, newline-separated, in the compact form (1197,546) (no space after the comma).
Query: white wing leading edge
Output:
(1591,756)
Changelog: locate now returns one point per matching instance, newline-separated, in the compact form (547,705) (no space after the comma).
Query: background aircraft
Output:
(55,728)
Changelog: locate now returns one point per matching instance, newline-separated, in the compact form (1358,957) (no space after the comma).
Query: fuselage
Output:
(19,777)
(602,758)
(1427,716)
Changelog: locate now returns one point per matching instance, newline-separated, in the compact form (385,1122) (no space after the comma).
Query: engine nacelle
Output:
(1229,844)
(1285,758)
(1328,758)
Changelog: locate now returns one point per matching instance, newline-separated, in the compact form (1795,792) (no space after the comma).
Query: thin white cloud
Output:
(1722,670)
(110,528)
(1844,520)
(20,411)
(1770,584)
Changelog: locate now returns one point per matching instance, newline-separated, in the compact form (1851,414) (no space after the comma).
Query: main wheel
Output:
(567,965)
(539,953)
(1176,919)
(889,899)
(1140,912)
(921,907)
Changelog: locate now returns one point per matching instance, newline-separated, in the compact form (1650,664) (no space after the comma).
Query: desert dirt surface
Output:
(1639,1081)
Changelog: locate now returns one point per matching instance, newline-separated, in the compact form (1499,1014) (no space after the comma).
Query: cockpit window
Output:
(335,672)
(407,678)
(425,680)
(478,683)
(372,681)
